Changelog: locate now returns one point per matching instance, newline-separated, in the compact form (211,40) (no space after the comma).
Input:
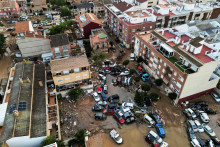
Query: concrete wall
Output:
(199,81)
(25,141)
(33,46)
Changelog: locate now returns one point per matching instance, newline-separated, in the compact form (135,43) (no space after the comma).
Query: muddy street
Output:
(5,65)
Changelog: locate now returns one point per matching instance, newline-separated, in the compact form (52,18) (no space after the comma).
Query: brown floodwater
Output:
(133,136)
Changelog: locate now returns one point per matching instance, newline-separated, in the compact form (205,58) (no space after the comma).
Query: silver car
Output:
(191,124)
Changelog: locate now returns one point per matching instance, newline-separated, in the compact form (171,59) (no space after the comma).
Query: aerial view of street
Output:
(109,73)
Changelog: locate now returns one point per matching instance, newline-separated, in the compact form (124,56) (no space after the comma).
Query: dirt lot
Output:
(5,65)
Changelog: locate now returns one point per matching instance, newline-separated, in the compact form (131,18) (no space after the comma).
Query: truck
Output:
(144,76)
(116,136)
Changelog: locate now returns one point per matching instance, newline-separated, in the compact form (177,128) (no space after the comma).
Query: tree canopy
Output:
(172,95)
(139,99)
(51,139)
(75,93)
(99,57)
(57,2)
(65,12)
(61,28)
(145,87)
(79,138)
(154,97)
(2,43)
(126,62)
(159,82)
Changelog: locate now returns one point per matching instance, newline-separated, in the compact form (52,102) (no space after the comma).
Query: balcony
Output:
(178,64)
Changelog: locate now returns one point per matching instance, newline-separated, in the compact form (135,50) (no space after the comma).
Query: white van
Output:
(132,57)
(149,120)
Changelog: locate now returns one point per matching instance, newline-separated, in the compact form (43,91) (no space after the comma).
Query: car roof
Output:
(95,93)
(197,122)
(153,133)
(205,115)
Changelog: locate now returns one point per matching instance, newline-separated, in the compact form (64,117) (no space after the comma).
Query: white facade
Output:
(3,108)
(25,141)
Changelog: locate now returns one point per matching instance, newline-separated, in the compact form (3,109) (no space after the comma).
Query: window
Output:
(57,52)
(150,27)
(158,72)
(150,64)
(83,68)
(143,28)
(151,59)
(133,30)
(160,60)
(76,69)
(165,64)
(163,70)
(85,75)
(65,51)
(178,85)
(152,53)
(161,76)
(175,73)
(66,72)
(67,79)
(174,81)
(77,76)
(180,78)
(60,80)
(58,73)
(159,66)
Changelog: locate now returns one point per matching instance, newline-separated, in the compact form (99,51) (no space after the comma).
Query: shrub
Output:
(126,62)
(75,93)
(132,71)
(154,97)
(59,97)
(79,138)
(139,59)
(139,99)
(172,95)
(145,87)
(159,82)
(137,79)
(51,139)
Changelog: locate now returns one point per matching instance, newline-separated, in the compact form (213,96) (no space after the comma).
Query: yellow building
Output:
(70,72)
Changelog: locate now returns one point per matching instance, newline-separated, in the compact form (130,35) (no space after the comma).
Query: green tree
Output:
(145,87)
(159,82)
(137,79)
(51,139)
(126,62)
(75,93)
(2,44)
(65,12)
(139,99)
(59,97)
(99,57)
(58,2)
(132,71)
(154,97)
(139,59)
(61,28)
(79,139)
(172,95)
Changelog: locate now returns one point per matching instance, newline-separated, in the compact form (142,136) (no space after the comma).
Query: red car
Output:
(151,140)
(118,117)
(108,111)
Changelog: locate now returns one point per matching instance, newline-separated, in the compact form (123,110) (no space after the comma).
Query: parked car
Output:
(192,125)
(216,141)
(125,73)
(114,101)
(108,111)
(208,130)
(210,143)
(191,133)
(102,103)
(116,136)
(113,106)
(115,96)
(114,81)
(149,120)
(128,117)
(102,77)
(104,97)
(97,107)
(129,105)
(204,117)
(103,83)
(119,117)
(195,143)
(191,112)
(99,90)
(100,116)
(156,136)
(151,140)
(156,118)
(122,45)
(160,130)
(105,89)
(202,104)
(215,96)
(209,111)
(199,126)
(201,142)
(96,96)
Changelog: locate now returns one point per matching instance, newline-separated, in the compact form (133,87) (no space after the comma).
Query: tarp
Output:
(3,108)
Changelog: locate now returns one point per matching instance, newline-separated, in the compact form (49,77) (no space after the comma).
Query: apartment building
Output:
(134,16)
(87,22)
(9,8)
(125,23)
(25,119)
(184,61)
(70,72)
(87,7)
(99,40)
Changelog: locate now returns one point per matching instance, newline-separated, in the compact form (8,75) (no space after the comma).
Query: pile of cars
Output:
(154,120)
(195,113)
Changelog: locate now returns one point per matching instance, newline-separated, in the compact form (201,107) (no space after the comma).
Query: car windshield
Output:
(200,127)
(210,130)
(117,138)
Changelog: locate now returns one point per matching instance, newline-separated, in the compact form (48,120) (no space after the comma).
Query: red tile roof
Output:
(89,17)
(168,35)
(21,27)
(122,6)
